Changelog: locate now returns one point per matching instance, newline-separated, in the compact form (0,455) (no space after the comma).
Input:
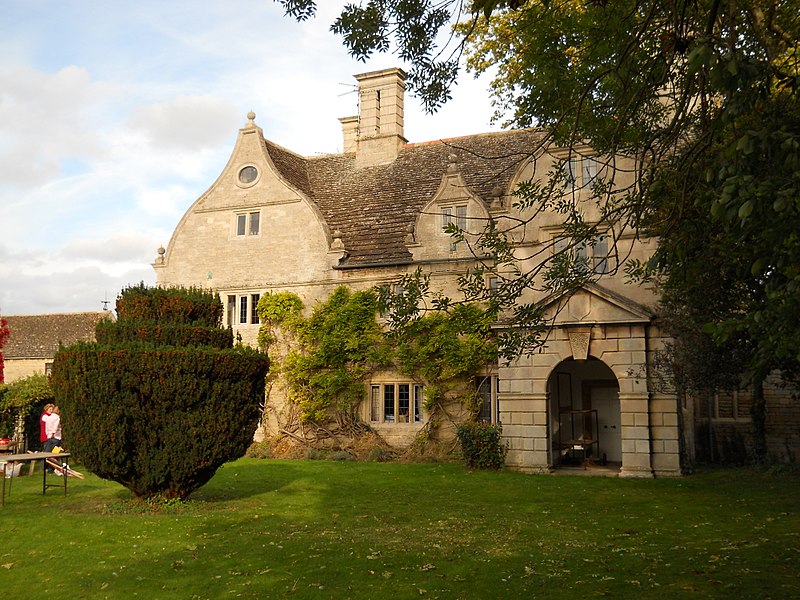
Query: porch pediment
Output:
(594,304)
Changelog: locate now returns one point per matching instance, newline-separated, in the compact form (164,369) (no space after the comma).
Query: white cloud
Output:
(73,290)
(123,248)
(185,123)
(113,122)
(46,119)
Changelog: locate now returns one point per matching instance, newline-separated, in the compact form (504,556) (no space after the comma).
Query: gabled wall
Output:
(291,246)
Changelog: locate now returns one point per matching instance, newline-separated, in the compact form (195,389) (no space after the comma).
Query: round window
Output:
(248,175)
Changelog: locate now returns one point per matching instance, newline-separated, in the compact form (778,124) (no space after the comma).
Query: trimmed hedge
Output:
(159,421)
(481,445)
(185,306)
(109,332)
(161,401)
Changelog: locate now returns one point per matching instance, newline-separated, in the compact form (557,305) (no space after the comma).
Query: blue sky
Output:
(116,116)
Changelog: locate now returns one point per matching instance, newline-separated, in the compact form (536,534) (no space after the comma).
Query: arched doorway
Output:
(584,414)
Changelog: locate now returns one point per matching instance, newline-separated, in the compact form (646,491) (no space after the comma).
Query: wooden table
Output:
(30,457)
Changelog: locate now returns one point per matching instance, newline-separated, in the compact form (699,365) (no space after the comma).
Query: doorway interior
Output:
(584,415)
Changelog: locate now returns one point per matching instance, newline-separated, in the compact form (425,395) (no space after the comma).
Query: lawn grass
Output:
(323,529)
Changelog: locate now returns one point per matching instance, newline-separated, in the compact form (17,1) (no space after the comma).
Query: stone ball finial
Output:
(451,163)
(337,234)
(161,251)
(251,116)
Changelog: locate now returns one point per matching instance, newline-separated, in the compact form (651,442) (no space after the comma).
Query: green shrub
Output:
(481,445)
(340,455)
(378,454)
(259,450)
(159,421)
(315,454)
(23,400)
(186,306)
(169,334)
(155,415)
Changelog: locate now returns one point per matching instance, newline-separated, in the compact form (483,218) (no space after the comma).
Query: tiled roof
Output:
(38,336)
(373,207)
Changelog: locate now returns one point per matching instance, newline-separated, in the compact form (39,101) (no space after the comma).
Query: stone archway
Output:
(584,414)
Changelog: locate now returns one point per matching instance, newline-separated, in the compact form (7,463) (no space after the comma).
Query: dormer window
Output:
(454,215)
(580,171)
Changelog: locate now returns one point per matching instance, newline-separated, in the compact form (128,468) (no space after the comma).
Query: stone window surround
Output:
(241,304)
(491,400)
(598,255)
(247,223)
(403,413)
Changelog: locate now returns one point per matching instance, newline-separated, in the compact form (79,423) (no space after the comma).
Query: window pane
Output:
(447,217)
(254,219)
(573,170)
(231,310)
(254,308)
(484,385)
(461,217)
(388,403)
(241,222)
(581,257)
(497,398)
(404,402)
(494,285)
(600,255)
(418,398)
(375,403)
(589,170)
(243,309)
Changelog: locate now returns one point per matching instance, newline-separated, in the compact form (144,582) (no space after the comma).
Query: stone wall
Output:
(16,369)
(723,430)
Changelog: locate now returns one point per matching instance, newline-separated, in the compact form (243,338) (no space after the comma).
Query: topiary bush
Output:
(481,445)
(168,334)
(159,419)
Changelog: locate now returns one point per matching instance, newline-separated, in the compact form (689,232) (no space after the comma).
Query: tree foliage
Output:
(150,413)
(4,333)
(20,404)
(702,95)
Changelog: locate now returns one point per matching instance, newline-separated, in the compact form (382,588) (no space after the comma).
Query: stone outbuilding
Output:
(34,340)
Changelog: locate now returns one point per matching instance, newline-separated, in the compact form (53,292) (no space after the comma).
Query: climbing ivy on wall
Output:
(444,351)
(336,349)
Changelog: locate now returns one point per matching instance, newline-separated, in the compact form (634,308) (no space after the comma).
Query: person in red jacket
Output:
(48,409)
(52,427)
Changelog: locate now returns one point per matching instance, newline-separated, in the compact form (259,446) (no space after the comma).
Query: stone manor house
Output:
(276,221)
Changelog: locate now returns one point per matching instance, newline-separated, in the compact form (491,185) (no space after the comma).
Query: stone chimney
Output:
(350,133)
(376,134)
